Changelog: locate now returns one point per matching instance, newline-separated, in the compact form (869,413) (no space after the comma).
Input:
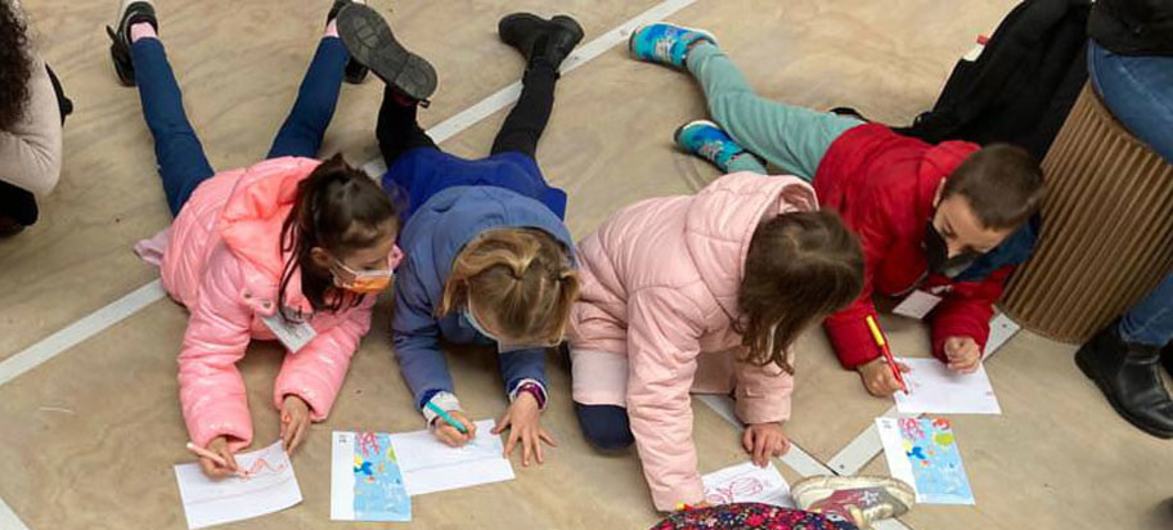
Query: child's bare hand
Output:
(964,354)
(219,446)
(763,440)
(878,378)
(524,420)
(295,420)
(449,434)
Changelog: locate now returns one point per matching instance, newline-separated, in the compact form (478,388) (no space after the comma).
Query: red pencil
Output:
(883,344)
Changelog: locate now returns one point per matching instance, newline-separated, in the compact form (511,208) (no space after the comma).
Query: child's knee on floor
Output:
(605,427)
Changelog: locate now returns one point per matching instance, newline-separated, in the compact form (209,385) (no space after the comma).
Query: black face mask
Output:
(937,254)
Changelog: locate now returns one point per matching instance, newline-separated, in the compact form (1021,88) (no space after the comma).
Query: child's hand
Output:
(219,446)
(295,419)
(763,440)
(878,378)
(964,354)
(523,419)
(449,435)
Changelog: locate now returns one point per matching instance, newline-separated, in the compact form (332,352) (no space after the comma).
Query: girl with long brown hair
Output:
(704,293)
(292,248)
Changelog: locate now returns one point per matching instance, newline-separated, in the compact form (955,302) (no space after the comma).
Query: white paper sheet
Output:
(429,466)
(747,483)
(933,388)
(269,487)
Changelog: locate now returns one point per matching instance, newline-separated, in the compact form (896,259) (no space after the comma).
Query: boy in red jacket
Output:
(942,226)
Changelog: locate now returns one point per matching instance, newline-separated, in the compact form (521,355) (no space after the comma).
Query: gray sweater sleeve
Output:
(30,153)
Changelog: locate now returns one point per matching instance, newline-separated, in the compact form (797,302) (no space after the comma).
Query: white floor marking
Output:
(797,458)
(861,450)
(8,518)
(81,330)
(130,304)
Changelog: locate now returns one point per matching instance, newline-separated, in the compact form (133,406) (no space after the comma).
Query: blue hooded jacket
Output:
(436,232)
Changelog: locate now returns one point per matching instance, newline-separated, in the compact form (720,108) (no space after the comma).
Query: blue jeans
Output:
(178,152)
(1139,92)
(1150,322)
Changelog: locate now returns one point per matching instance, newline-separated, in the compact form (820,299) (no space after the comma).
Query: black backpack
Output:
(1023,85)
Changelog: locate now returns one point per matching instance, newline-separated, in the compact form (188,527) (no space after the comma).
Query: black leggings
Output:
(399,132)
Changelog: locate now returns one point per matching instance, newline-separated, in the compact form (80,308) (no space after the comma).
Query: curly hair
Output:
(16,65)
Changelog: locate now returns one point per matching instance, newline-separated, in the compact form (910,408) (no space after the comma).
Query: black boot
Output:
(370,41)
(130,12)
(1128,375)
(538,39)
(1167,358)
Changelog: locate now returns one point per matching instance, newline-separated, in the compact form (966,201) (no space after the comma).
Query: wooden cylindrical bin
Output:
(1107,235)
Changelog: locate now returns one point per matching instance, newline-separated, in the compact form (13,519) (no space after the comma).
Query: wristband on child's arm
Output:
(533,388)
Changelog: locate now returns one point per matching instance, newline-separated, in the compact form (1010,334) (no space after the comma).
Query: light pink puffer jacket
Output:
(660,285)
(224,262)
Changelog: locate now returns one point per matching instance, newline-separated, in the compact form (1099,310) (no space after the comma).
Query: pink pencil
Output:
(219,460)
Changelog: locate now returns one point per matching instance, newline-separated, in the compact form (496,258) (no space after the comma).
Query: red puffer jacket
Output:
(883,185)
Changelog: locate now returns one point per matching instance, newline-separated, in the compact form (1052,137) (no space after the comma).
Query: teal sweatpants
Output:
(792,138)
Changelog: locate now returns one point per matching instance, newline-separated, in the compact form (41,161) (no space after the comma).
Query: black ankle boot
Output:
(130,12)
(1167,358)
(538,39)
(1128,376)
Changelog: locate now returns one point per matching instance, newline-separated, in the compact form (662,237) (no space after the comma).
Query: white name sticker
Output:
(294,335)
(917,305)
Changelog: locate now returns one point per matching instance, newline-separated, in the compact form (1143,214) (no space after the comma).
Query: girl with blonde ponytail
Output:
(489,260)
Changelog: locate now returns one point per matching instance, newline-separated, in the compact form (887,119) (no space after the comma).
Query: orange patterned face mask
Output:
(363,282)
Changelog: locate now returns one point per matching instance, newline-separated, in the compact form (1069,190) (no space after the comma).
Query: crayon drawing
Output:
(923,452)
(367,484)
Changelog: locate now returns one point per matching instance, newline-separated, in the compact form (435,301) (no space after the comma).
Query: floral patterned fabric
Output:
(749,516)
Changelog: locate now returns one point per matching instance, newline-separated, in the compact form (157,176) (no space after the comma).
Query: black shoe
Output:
(130,12)
(538,39)
(356,73)
(369,40)
(1128,375)
(9,227)
(1167,358)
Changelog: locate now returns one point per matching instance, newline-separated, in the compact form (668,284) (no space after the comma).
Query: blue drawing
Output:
(931,448)
(379,494)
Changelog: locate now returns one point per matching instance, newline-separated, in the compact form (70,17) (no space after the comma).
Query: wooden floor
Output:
(88,437)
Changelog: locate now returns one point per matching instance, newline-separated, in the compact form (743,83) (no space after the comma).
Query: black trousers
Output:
(399,132)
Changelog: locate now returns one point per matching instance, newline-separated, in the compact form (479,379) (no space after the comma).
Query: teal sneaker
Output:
(664,43)
(709,141)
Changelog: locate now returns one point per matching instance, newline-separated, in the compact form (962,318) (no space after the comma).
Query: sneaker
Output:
(664,43)
(860,500)
(369,40)
(356,73)
(709,141)
(537,38)
(130,12)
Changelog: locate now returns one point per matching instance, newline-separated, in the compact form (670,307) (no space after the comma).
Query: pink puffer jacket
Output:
(224,262)
(660,285)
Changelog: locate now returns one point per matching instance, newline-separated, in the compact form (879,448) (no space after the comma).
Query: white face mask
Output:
(502,347)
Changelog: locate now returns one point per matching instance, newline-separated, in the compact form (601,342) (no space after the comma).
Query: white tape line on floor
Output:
(8,518)
(508,95)
(81,330)
(105,317)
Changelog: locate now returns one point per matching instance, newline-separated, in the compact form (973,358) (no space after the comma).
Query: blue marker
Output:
(447,419)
